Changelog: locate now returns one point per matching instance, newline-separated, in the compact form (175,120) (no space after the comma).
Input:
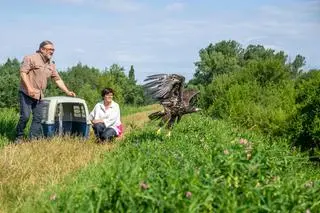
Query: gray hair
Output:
(44,43)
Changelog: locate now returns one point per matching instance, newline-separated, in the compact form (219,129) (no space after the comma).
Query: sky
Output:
(155,36)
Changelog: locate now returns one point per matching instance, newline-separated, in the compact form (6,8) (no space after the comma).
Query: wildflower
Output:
(275,178)
(53,197)
(249,156)
(226,152)
(243,141)
(144,185)
(248,147)
(188,194)
(308,211)
(309,184)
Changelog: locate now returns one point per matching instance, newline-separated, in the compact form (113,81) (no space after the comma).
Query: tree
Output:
(223,57)
(256,91)
(76,77)
(297,64)
(9,84)
(132,75)
(92,96)
(305,128)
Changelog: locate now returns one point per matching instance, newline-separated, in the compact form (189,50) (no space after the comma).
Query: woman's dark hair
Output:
(106,91)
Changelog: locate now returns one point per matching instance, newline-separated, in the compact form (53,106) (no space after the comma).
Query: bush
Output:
(8,121)
(260,96)
(305,129)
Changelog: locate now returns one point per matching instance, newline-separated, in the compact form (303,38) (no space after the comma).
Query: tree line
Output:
(86,81)
(260,89)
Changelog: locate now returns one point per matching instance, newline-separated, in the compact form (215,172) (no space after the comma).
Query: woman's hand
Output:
(97,121)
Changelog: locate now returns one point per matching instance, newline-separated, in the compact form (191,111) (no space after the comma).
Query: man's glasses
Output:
(50,49)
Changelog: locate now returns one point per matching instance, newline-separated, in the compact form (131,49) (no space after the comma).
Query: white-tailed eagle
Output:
(177,101)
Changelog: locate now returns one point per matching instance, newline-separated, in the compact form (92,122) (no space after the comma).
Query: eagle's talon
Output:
(159,131)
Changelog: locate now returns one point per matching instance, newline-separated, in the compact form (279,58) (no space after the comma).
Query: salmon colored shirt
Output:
(38,71)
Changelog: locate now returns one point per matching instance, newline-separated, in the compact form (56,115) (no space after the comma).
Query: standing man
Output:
(34,72)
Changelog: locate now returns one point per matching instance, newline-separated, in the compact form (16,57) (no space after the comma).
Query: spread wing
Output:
(187,97)
(164,86)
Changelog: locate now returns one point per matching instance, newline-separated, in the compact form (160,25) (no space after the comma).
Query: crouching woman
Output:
(105,118)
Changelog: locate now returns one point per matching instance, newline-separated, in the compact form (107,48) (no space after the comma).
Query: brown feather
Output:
(169,90)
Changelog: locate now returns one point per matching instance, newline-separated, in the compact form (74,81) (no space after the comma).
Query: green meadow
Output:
(205,165)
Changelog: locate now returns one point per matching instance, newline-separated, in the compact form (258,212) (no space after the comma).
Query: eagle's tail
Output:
(156,115)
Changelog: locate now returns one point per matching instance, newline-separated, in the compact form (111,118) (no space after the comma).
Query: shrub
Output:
(305,129)
(260,96)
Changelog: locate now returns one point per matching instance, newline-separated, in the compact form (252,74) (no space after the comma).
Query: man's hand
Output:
(70,93)
(31,92)
(63,87)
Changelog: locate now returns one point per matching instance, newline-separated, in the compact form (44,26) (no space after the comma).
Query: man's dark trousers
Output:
(28,105)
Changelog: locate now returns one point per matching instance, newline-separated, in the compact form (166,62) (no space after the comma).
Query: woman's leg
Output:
(99,129)
(108,134)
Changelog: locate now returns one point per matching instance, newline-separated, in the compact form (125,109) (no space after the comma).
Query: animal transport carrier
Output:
(65,116)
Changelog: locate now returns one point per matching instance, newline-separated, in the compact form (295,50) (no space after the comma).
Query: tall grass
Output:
(205,166)
(129,110)
(30,168)
(8,121)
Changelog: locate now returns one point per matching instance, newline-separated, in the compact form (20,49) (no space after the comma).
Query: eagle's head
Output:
(192,109)
(190,101)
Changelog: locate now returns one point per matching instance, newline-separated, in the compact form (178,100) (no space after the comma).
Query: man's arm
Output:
(24,70)
(64,88)
(30,90)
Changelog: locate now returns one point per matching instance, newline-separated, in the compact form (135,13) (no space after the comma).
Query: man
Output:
(34,72)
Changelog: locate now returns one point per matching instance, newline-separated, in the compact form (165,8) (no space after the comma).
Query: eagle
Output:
(169,91)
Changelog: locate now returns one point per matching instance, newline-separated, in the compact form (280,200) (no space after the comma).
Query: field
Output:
(205,166)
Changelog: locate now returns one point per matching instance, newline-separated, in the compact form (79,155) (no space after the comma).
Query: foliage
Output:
(228,56)
(205,166)
(8,121)
(9,84)
(259,52)
(86,82)
(296,65)
(91,96)
(127,92)
(80,75)
(260,95)
(305,130)
(131,75)
(223,57)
